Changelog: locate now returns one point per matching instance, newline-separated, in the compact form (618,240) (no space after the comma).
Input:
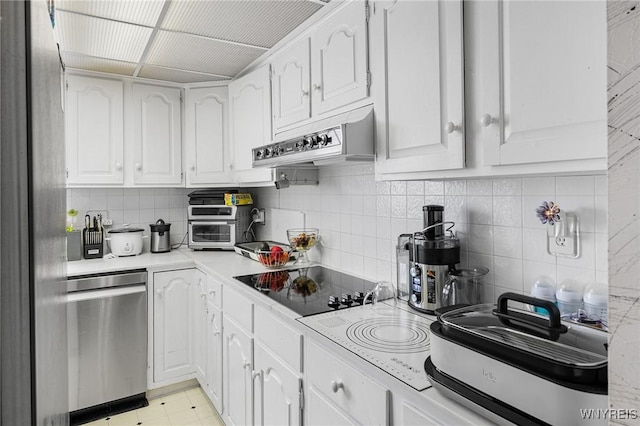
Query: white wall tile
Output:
(455,187)
(507,241)
(415,187)
(508,273)
(398,188)
(534,271)
(455,208)
(535,245)
(601,185)
(481,239)
(414,206)
(575,185)
(369,205)
(477,259)
(507,211)
(480,210)
(383,206)
(529,206)
(399,206)
(587,258)
(511,186)
(383,228)
(539,186)
(433,187)
(480,187)
(581,205)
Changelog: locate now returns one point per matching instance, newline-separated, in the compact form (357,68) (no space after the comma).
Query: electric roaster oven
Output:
(517,366)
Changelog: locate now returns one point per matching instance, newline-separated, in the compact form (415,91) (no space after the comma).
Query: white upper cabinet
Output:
(250,105)
(206,144)
(324,70)
(94,131)
(157,144)
(291,85)
(538,79)
(418,52)
(339,59)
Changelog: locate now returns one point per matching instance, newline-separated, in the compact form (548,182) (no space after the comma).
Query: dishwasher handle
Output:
(104,293)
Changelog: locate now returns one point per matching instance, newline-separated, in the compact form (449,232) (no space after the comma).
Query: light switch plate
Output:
(563,237)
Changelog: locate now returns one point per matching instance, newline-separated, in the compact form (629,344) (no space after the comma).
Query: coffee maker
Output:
(424,260)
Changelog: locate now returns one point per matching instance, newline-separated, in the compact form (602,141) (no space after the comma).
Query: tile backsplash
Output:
(133,206)
(360,219)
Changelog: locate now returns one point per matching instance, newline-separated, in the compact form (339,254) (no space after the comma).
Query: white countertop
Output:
(223,265)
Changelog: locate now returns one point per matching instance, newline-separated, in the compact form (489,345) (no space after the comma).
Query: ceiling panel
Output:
(91,63)
(176,76)
(137,12)
(194,53)
(100,37)
(258,23)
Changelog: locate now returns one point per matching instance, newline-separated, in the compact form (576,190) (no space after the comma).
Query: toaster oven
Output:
(217,227)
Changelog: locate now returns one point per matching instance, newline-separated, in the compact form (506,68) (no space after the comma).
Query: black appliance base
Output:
(100,411)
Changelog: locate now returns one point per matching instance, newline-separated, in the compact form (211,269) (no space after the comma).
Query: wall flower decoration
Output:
(548,213)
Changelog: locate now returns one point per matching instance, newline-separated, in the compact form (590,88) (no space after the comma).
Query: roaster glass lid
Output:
(573,344)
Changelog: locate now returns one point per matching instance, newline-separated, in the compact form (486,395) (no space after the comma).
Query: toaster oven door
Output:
(212,235)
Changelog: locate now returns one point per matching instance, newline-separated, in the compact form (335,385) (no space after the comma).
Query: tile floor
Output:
(183,408)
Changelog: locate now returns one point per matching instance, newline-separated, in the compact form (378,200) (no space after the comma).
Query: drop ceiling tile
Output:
(137,12)
(194,53)
(90,63)
(255,22)
(176,76)
(100,37)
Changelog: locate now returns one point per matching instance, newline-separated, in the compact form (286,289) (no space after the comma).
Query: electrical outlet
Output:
(258,216)
(107,222)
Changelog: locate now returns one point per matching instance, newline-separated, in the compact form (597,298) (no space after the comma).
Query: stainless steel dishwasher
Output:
(107,329)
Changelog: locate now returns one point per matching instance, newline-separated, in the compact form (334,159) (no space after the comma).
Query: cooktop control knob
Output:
(333,302)
(259,154)
(268,151)
(314,141)
(358,297)
(299,144)
(346,299)
(306,142)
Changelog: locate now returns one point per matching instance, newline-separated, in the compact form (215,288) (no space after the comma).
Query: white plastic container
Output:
(543,288)
(596,300)
(569,297)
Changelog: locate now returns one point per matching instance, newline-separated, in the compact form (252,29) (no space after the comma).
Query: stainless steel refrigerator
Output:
(33,332)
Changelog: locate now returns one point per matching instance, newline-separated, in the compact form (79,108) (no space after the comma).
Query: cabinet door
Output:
(206,136)
(421,119)
(200,321)
(321,412)
(291,78)
(277,391)
(214,356)
(540,98)
(250,103)
(94,131)
(339,59)
(156,115)
(173,304)
(237,380)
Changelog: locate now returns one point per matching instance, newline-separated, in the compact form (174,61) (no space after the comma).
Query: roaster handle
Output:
(552,327)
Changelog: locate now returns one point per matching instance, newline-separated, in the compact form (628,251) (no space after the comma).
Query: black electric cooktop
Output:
(311,290)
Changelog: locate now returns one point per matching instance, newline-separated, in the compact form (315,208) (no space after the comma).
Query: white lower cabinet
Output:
(199,339)
(340,392)
(237,372)
(213,364)
(277,391)
(173,304)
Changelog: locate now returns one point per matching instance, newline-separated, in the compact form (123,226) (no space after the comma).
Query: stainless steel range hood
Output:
(344,137)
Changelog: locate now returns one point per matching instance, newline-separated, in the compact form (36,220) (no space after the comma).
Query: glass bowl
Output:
(302,240)
(274,258)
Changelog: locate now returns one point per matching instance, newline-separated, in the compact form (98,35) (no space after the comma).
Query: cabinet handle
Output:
(487,120)
(246,364)
(256,373)
(212,292)
(450,127)
(216,333)
(305,93)
(159,292)
(138,166)
(316,87)
(203,294)
(337,385)
(230,166)
(193,167)
(118,166)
